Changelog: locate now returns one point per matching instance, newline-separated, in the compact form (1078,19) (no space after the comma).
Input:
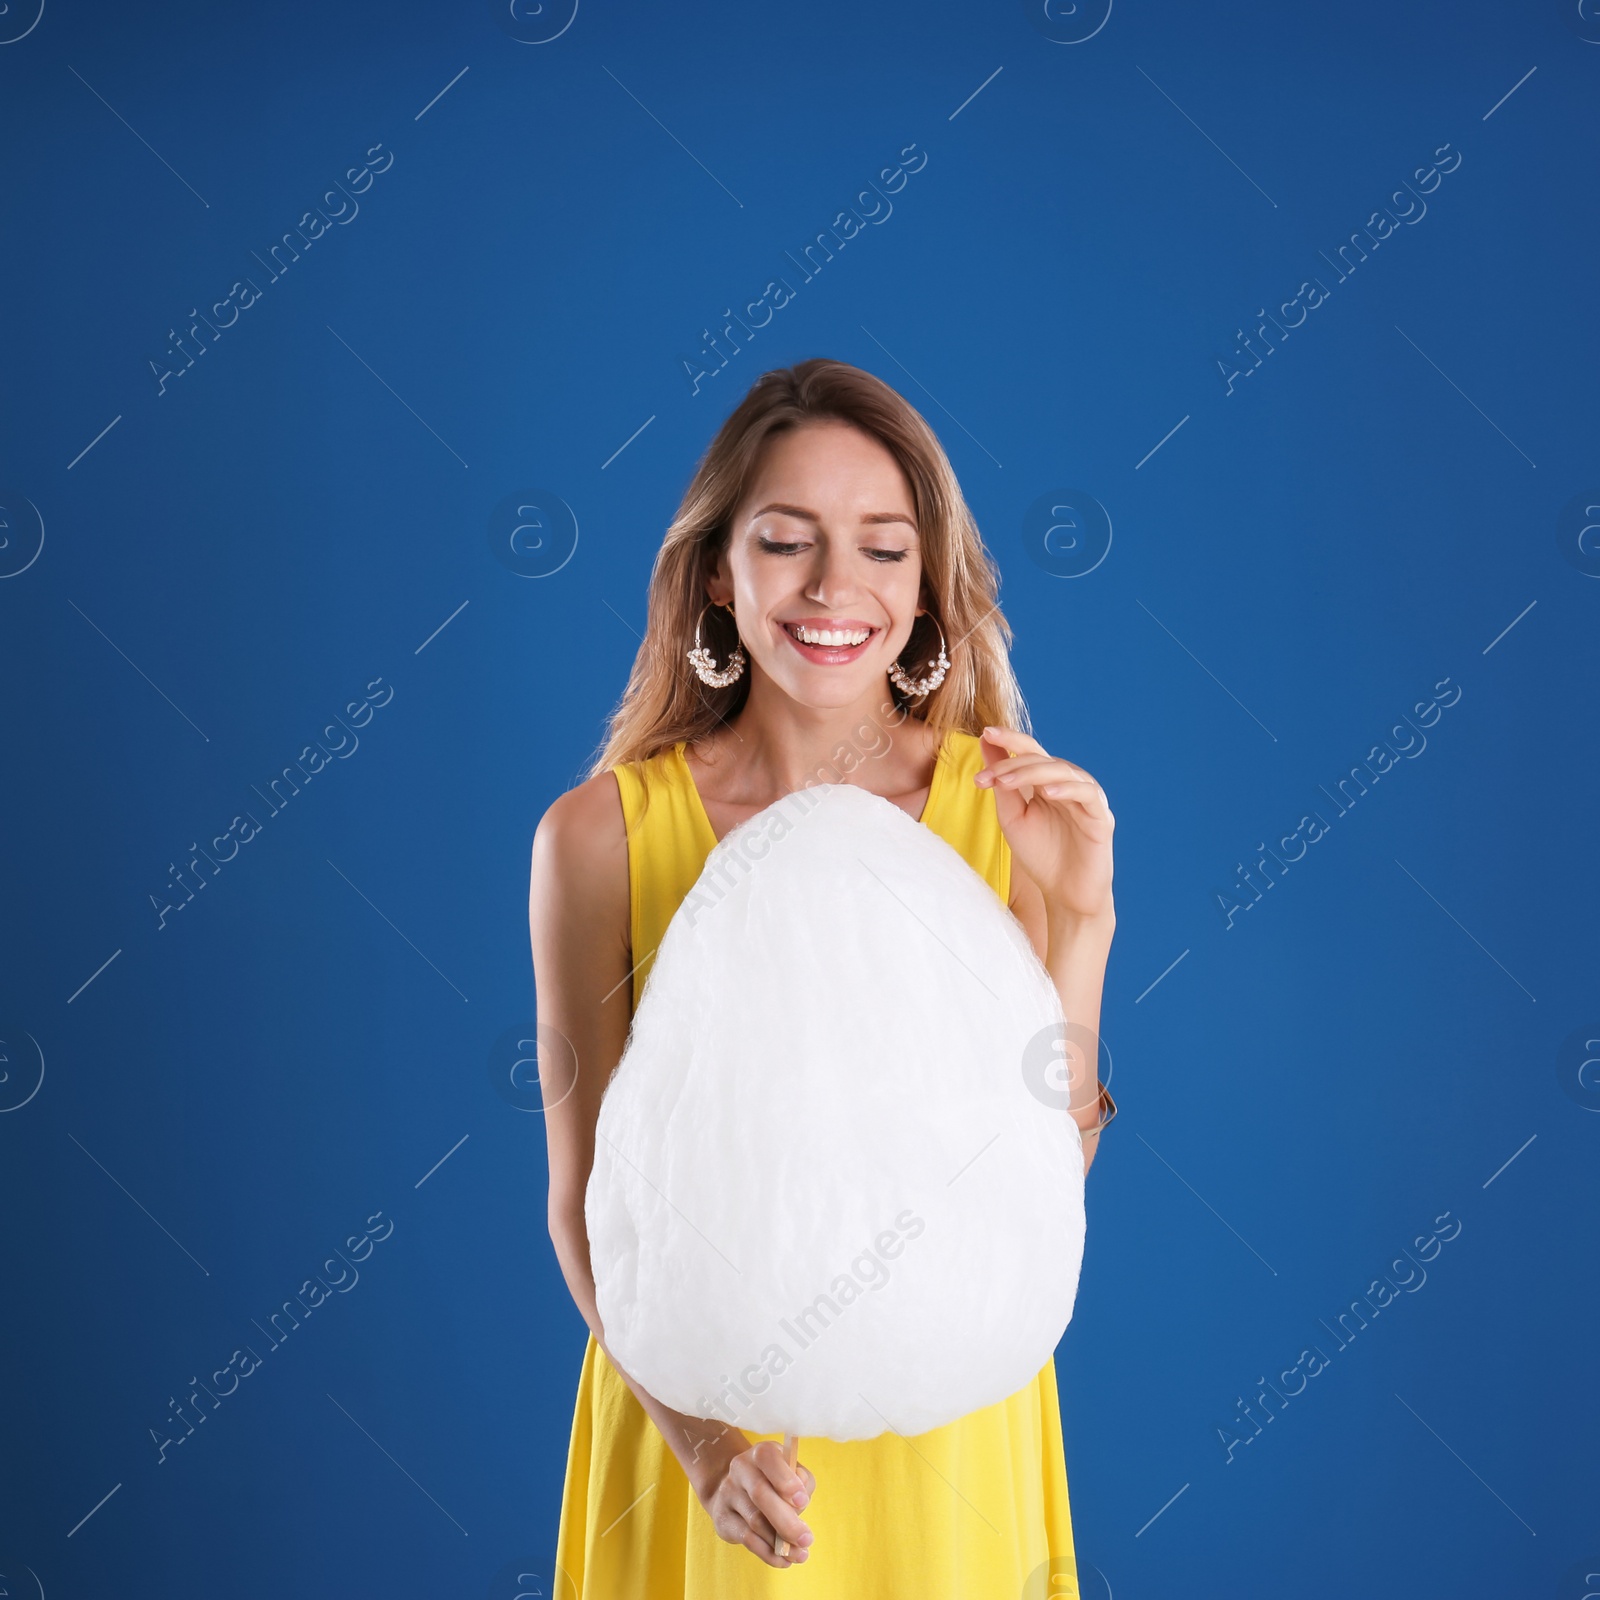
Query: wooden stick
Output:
(791,1453)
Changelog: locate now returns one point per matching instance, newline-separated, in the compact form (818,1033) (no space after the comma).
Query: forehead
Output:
(829,465)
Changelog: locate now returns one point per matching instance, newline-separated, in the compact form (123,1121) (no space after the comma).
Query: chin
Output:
(826,689)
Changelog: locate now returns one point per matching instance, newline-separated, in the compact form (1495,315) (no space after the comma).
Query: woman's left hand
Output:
(1056,820)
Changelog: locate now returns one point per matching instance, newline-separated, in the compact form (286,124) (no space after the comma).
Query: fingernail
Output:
(801,1497)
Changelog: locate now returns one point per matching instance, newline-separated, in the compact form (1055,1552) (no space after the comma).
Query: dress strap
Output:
(669,838)
(963,815)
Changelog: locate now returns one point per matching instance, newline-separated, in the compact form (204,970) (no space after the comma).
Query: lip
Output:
(830,655)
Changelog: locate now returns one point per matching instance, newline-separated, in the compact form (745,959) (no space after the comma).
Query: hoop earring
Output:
(937,668)
(705,664)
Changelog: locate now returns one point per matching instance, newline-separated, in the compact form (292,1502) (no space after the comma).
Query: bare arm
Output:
(578,917)
(1074,951)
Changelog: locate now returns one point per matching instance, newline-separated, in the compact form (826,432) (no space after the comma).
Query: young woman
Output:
(822,609)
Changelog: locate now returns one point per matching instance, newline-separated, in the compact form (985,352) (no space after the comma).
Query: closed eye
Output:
(785,547)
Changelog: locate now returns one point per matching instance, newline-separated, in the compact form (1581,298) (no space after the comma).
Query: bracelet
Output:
(1106,1106)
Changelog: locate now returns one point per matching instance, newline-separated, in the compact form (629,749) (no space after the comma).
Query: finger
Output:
(768,1458)
(1011,763)
(998,743)
(757,1546)
(1052,775)
(1095,807)
(1034,766)
(757,1472)
(745,1527)
(774,1487)
(755,1521)
(763,1538)
(1061,780)
(777,1515)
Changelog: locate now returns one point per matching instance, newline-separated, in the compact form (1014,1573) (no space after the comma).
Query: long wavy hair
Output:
(665,702)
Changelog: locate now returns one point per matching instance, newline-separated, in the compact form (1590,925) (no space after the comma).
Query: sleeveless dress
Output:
(973,1510)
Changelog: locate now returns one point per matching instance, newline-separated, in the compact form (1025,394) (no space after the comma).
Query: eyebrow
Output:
(811,516)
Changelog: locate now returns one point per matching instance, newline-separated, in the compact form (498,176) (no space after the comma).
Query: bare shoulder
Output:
(581,842)
(587,819)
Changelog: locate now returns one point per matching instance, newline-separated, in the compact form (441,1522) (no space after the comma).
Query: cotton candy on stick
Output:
(836,1187)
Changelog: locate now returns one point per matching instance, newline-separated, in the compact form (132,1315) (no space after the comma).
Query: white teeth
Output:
(832,636)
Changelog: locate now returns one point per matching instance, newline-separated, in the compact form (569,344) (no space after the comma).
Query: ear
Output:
(718,582)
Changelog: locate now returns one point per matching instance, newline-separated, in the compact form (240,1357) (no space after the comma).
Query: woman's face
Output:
(823,565)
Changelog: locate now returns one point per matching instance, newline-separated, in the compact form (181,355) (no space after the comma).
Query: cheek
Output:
(762,586)
(900,587)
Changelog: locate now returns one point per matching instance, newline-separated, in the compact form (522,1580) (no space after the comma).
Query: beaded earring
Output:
(705,664)
(937,668)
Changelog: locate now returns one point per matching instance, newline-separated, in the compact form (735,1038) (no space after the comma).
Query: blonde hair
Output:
(665,702)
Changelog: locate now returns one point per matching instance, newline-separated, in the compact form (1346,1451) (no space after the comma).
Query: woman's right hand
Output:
(753,1497)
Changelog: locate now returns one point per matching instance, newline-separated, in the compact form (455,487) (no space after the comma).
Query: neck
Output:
(779,745)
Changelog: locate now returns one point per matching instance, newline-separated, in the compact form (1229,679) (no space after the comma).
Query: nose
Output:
(831,583)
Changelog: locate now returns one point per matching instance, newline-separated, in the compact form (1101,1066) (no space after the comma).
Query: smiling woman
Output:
(807,446)
(823,576)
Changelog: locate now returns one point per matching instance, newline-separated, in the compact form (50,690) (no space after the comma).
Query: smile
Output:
(829,641)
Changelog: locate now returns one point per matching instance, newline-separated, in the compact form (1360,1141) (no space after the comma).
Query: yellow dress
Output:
(973,1510)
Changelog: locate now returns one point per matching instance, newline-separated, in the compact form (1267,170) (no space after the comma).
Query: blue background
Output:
(308,509)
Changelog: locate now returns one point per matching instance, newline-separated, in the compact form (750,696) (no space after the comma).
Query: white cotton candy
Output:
(836,1189)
